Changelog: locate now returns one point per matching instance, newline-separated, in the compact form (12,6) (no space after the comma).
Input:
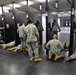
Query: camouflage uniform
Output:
(55,46)
(73,56)
(22,36)
(32,39)
(17,47)
(10,44)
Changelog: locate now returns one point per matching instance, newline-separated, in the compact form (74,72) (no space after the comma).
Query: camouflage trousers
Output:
(17,47)
(73,56)
(10,44)
(33,49)
(23,42)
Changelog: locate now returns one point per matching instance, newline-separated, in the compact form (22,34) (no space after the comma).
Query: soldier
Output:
(71,57)
(8,44)
(32,41)
(54,47)
(22,35)
(17,48)
(55,27)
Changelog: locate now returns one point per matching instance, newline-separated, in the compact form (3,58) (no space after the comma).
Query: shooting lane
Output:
(9,27)
(20,17)
(52,15)
(42,14)
(1,30)
(35,15)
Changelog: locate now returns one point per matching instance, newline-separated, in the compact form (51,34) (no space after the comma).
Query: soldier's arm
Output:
(48,45)
(61,46)
(37,33)
(17,30)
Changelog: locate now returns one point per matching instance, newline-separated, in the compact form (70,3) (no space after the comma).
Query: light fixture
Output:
(69,23)
(15,5)
(13,17)
(40,6)
(2,18)
(54,13)
(61,12)
(64,15)
(25,2)
(6,8)
(27,16)
(7,25)
(7,11)
(66,23)
(56,4)
(42,1)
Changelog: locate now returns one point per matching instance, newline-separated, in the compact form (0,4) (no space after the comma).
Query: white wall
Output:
(44,32)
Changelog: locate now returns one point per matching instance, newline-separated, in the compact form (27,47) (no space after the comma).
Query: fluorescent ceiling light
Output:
(61,12)
(42,0)
(25,2)
(15,5)
(7,11)
(64,15)
(27,16)
(53,13)
(6,8)
(2,18)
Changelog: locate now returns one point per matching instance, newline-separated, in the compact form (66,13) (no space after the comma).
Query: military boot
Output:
(31,59)
(56,57)
(4,46)
(14,51)
(68,59)
(50,56)
(38,59)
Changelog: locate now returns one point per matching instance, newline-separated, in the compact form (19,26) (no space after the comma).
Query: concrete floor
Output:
(18,64)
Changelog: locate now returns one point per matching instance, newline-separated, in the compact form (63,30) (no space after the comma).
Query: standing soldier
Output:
(32,41)
(22,35)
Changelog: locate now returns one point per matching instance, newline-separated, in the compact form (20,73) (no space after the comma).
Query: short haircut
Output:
(55,36)
(29,21)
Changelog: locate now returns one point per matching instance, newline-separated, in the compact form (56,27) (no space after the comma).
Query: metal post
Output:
(15,26)
(72,27)
(4,36)
(27,9)
(47,26)
(47,21)
(27,4)
(41,24)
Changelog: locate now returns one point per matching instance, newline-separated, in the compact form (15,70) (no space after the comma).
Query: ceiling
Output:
(63,5)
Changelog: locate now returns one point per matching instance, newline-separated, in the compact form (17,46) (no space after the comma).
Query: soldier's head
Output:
(23,23)
(55,36)
(54,20)
(29,21)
